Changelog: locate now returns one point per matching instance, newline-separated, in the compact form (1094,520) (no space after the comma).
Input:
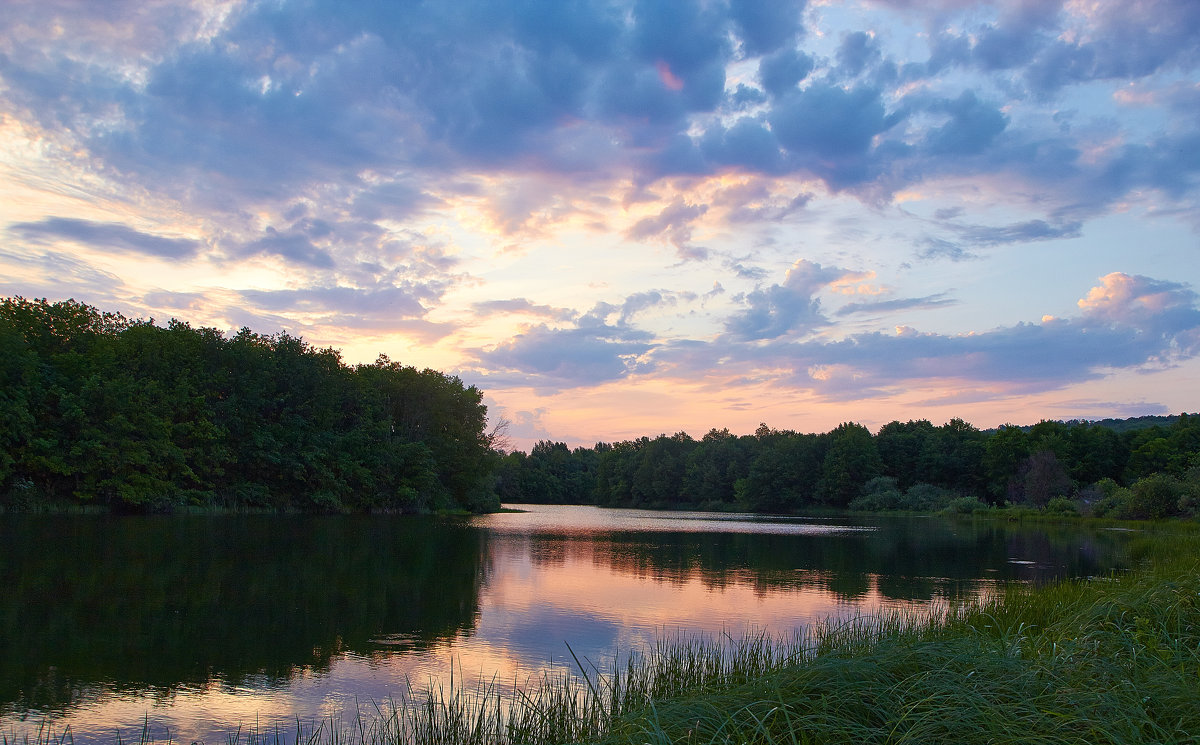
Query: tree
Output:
(900,445)
(851,461)
(1003,454)
(1042,478)
(102,409)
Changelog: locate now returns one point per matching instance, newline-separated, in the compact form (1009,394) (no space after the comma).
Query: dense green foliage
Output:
(99,409)
(1147,472)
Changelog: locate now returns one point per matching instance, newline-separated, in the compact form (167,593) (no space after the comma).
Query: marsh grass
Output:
(1104,660)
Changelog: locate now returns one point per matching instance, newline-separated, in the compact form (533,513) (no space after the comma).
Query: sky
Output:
(625,218)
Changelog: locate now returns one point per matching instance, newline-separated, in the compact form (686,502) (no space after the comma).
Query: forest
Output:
(98,409)
(1146,468)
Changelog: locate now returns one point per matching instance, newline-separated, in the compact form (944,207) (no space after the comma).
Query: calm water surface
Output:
(203,624)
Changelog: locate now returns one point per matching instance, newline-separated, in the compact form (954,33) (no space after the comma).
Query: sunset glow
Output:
(621,218)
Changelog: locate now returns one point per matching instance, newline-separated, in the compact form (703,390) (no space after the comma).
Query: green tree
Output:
(850,462)
(900,445)
(1003,454)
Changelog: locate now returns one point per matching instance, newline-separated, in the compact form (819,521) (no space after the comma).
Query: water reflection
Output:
(164,603)
(208,623)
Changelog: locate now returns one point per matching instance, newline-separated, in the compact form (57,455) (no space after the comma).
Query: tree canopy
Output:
(99,409)
(912,465)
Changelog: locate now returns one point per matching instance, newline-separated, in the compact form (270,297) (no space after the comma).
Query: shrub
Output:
(926,497)
(878,495)
(1155,497)
(965,506)
(1189,499)
(1061,506)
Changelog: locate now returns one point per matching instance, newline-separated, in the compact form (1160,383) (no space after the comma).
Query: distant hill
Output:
(1132,423)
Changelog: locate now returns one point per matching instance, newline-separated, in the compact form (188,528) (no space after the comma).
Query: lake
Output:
(202,624)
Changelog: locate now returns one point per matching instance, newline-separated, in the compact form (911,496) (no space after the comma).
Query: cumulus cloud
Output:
(790,308)
(269,100)
(1165,310)
(598,346)
(674,224)
(296,247)
(1126,322)
(780,72)
(972,127)
(357,145)
(556,358)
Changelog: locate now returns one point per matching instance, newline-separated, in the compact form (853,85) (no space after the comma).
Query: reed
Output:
(1102,660)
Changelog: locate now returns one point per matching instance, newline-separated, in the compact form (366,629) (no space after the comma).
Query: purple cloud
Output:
(1126,322)
(553,358)
(673,224)
(106,236)
(523,306)
(785,309)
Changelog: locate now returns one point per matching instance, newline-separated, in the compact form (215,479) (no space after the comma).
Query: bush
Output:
(1189,499)
(1061,506)
(20,496)
(1155,497)
(878,495)
(965,506)
(881,494)
(927,497)
(1150,498)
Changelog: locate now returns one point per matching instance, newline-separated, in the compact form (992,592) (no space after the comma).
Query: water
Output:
(199,625)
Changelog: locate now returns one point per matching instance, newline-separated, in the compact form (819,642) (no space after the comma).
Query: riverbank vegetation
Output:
(98,409)
(1131,469)
(1111,659)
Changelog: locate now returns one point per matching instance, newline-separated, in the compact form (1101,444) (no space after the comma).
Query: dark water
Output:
(203,624)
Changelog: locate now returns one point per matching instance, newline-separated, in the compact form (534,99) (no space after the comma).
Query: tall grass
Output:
(1106,660)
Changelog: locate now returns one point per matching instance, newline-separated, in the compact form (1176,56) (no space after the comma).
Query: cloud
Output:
(857,52)
(766,25)
(938,248)
(781,71)
(265,101)
(377,302)
(106,236)
(38,273)
(556,358)
(293,246)
(376,149)
(891,306)
(602,345)
(1023,232)
(972,127)
(1127,322)
(522,306)
(1167,310)
(674,224)
(785,309)
(639,302)
(829,130)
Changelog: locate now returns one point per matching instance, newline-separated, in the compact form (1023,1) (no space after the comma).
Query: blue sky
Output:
(626,218)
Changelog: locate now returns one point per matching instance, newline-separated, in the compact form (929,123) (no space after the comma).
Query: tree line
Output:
(99,409)
(1129,472)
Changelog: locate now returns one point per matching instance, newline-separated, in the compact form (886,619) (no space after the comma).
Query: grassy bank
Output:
(1101,661)
(1104,660)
